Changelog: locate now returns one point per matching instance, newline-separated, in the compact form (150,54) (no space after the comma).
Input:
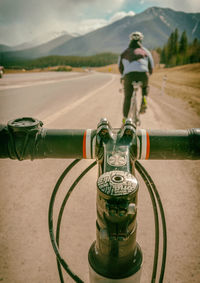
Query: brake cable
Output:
(156,219)
(142,172)
(154,195)
(55,244)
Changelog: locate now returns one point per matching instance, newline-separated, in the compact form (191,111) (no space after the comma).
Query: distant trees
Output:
(178,51)
(73,61)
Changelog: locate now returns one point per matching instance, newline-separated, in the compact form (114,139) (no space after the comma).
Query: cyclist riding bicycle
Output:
(135,64)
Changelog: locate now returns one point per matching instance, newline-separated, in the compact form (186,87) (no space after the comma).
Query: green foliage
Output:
(183,45)
(98,60)
(178,51)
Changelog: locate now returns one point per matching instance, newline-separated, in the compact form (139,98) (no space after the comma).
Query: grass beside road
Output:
(182,82)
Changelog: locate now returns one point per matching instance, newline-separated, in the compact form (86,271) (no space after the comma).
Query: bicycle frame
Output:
(133,111)
(115,256)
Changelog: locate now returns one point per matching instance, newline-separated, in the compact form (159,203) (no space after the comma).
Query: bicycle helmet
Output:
(136,35)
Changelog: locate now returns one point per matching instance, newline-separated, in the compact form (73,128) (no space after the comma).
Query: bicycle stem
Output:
(115,255)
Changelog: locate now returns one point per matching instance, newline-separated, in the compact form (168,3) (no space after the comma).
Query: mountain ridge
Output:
(155,23)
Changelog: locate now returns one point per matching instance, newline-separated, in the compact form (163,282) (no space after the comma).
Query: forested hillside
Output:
(178,50)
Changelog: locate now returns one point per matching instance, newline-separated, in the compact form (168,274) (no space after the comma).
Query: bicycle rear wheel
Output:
(133,112)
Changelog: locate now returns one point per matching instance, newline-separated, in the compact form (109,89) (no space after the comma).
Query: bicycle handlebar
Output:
(25,138)
(169,144)
(115,250)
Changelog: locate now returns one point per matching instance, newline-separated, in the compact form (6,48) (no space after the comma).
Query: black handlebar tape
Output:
(4,140)
(169,144)
(67,144)
(47,143)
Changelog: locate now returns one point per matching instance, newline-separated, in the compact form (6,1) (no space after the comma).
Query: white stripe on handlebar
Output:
(144,144)
(88,144)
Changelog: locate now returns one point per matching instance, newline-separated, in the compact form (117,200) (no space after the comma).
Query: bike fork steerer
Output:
(115,256)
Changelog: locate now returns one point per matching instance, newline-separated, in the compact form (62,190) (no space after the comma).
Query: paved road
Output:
(47,96)
(75,100)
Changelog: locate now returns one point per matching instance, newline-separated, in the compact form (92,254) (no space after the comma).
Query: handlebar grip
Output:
(169,144)
(66,144)
(41,143)
(4,138)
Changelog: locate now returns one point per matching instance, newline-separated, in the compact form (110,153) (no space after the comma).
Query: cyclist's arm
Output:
(150,61)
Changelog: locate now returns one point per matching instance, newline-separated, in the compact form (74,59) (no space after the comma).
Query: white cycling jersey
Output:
(140,65)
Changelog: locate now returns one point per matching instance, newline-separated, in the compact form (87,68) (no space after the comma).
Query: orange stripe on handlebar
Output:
(148,146)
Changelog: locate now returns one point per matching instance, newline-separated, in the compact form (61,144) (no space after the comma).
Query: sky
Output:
(25,20)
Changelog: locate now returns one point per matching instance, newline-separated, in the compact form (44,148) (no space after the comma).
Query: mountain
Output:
(42,39)
(155,23)
(44,49)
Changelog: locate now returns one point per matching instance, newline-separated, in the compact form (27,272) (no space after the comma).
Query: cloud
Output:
(86,26)
(119,15)
(33,10)
(21,20)
(92,24)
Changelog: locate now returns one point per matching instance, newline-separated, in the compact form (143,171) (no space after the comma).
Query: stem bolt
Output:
(132,208)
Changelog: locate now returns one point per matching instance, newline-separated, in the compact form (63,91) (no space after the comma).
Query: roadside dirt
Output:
(182,82)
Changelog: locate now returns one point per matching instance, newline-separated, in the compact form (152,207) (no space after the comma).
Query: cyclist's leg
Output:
(128,90)
(145,90)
